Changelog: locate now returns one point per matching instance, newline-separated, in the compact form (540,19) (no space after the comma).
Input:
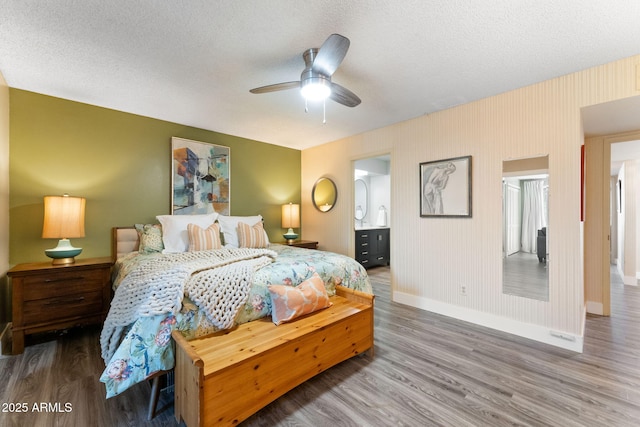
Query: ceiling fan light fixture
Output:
(316,88)
(315,80)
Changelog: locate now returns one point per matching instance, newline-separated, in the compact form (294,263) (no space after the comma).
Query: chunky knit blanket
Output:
(217,281)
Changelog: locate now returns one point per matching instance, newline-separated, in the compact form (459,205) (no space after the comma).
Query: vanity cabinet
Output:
(372,247)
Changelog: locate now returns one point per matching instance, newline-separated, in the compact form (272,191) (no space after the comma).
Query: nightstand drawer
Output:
(48,297)
(61,284)
(62,307)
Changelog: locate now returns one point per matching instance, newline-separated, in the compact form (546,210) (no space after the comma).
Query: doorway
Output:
(624,209)
(371,207)
(599,212)
(603,125)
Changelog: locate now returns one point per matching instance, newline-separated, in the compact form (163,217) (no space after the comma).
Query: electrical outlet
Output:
(463,290)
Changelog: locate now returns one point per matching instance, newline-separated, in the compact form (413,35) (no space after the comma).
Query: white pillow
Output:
(174,230)
(229,228)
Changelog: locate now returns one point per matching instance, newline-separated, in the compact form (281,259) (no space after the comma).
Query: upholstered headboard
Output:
(123,241)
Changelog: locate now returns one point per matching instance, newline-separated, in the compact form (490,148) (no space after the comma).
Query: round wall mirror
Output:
(324,194)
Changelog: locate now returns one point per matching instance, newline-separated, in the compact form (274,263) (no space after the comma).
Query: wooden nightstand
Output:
(48,297)
(309,244)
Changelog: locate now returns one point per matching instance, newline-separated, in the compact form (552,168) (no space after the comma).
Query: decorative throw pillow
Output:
(150,236)
(203,239)
(229,227)
(252,236)
(174,230)
(289,302)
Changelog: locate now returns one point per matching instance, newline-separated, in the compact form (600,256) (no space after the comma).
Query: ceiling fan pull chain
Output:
(324,111)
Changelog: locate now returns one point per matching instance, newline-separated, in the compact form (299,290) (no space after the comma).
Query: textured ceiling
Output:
(193,62)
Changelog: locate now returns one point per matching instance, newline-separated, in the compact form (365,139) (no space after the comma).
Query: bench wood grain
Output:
(225,377)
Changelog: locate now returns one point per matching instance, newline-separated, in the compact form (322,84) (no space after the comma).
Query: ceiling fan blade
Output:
(276,87)
(344,96)
(330,55)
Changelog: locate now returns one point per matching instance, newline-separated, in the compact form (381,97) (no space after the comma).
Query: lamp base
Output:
(290,235)
(64,253)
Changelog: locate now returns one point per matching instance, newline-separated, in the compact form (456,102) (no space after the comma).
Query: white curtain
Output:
(534,213)
(512,216)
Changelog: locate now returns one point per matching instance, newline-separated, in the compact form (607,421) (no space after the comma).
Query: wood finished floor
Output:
(524,275)
(428,370)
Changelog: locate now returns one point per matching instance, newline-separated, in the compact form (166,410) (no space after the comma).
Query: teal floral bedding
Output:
(147,346)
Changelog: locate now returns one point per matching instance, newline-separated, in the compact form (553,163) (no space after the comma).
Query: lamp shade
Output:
(63,217)
(290,216)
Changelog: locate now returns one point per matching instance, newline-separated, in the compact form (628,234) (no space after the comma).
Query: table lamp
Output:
(290,220)
(63,219)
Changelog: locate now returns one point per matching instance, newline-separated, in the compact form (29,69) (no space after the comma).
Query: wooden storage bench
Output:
(223,378)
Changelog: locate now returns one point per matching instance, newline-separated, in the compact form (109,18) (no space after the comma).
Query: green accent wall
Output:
(5,289)
(121,163)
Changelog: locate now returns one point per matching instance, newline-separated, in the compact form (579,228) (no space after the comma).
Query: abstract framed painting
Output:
(200,177)
(445,188)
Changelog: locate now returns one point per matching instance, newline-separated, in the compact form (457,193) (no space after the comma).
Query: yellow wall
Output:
(432,258)
(122,164)
(5,293)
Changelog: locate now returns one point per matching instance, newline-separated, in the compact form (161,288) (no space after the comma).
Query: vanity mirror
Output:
(525,213)
(361,200)
(324,194)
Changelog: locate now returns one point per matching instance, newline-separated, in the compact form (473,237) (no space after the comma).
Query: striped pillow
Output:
(204,239)
(252,236)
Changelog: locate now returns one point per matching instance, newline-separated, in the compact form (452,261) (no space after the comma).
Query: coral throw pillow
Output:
(252,236)
(204,239)
(289,302)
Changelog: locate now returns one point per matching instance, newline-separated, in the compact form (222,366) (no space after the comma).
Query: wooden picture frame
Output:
(445,188)
(200,177)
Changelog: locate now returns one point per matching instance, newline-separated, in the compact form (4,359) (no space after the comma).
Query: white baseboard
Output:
(526,330)
(627,280)
(595,308)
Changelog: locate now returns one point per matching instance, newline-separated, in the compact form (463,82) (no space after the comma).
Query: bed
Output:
(140,347)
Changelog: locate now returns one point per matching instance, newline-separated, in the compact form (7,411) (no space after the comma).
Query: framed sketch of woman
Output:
(445,188)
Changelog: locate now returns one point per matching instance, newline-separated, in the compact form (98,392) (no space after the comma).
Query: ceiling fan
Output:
(315,81)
